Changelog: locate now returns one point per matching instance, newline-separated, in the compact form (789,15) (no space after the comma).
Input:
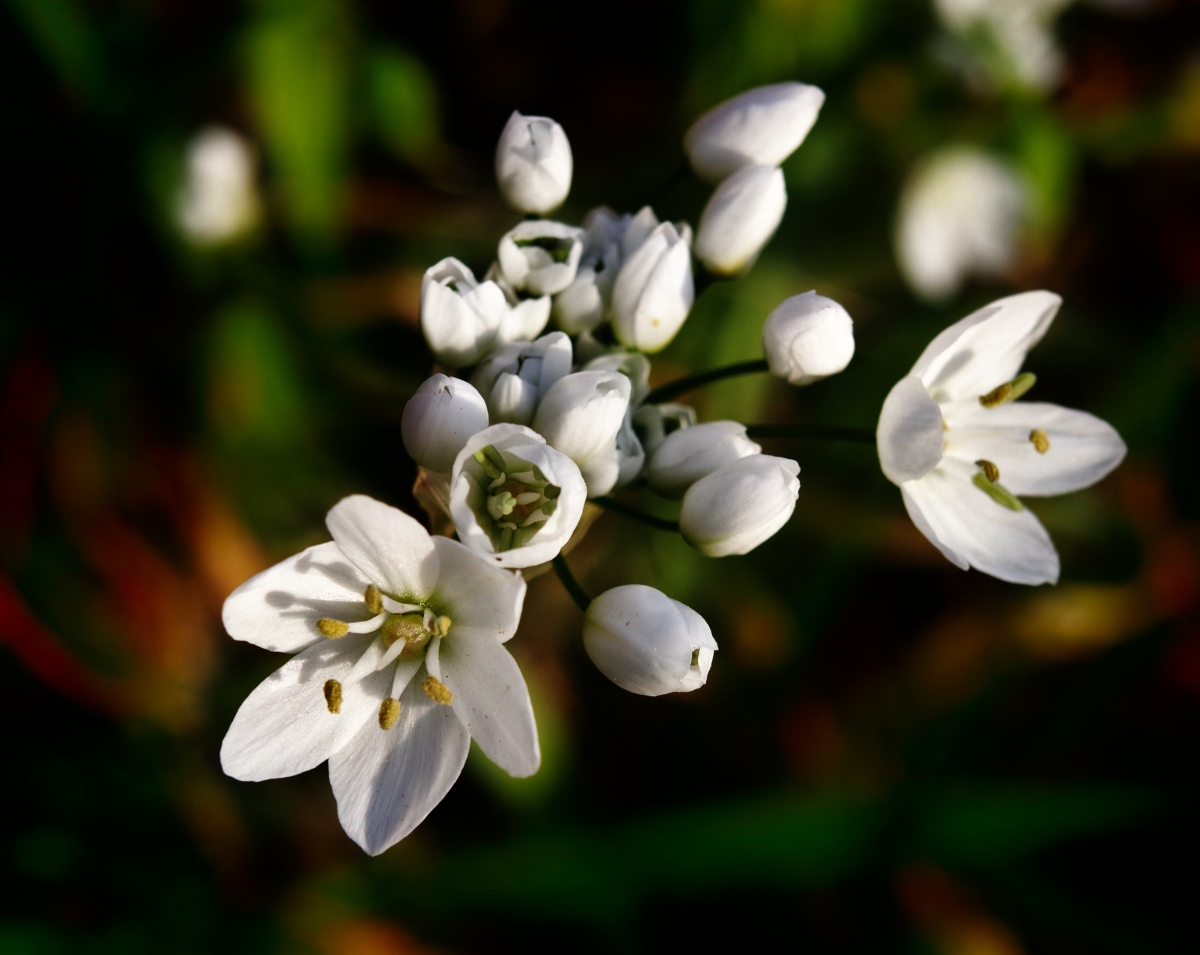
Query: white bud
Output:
(541,257)
(637,230)
(654,291)
(459,316)
(647,643)
(654,422)
(959,216)
(439,419)
(740,218)
(525,318)
(633,365)
(527,535)
(514,378)
(685,456)
(631,456)
(762,126)
(533,164)
(580,416)
(219,200)
(737,507)
(808,337)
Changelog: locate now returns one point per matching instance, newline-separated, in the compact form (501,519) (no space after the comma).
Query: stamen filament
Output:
(1009,391)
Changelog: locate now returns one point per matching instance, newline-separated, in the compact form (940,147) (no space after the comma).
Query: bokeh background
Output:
(890,755)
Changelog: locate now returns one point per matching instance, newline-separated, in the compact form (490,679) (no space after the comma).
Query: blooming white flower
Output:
(399,663)
(737,507)
(959,216)
(654,423)
(654,291)
(1022,29)
(515,499)
(740,218)
(962,450)
(808,337)
(685,456)
(218,201)
(581,416)
(762,126)
(541,257)
(533,164)
(439,419)
(514,378)
(459,316)
(647,643)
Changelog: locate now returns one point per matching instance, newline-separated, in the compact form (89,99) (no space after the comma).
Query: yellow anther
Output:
(437,691)
(990,471)
(332,628)
(443,625)
(373,599)
(1040,440)
(1009,391)
(389,712)
(333,696)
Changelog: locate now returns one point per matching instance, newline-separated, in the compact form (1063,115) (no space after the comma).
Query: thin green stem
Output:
(660,523)
(820,432)
(681,387)
(578,594)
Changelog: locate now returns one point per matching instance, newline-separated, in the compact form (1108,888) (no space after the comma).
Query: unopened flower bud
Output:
(762,126)
(808,337)
(654,422)
(647,643)
(740,218)
(439,419)
(737,507)
(533,164)
(459,316)
(686,456)
(580,416)
(541,257)
(654,291)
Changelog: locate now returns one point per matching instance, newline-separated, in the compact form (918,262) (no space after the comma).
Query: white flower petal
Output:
(278,609)
(284,727)
(910,435)
(387,545)
(987,348)
(1083,449)
(387,781)
(1011,545)
(491,698)
(923,525)
(474,593)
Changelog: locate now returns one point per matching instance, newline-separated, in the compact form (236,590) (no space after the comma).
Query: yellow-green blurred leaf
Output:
(404,103)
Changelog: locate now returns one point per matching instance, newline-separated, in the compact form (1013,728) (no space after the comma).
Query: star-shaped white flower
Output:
(962,449)
(399,662)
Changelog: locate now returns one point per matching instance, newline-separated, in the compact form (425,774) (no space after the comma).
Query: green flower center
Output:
(516,498)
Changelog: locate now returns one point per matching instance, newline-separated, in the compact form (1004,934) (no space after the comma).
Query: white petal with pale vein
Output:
(387,545)
(909,436)
(476,594)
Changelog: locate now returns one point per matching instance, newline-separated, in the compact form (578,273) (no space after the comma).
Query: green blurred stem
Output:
(820,432)
(660,523)
(684,385)
(568,580)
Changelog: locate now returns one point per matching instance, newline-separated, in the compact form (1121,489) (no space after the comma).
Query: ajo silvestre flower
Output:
(438,420)
(808,337)
(533,164)
(738,506)
(962,449)
(400,662)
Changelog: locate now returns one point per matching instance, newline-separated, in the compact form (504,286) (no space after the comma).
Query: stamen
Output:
(696,657)
(1040,440)
(374,599)
(1009,391)
(332,628)
(1000,495)
(990,471)
(333,696)
(443,625)
(389,712)
(437,691)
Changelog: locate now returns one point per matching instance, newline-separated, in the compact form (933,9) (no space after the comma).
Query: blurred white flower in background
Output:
(960,215)
(1022,31)
(219,198)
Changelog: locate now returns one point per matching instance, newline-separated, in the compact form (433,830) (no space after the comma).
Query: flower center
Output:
(415,629)
(517,498)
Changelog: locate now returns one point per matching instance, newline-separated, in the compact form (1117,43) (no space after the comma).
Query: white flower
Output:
(581,416)
(740,218)
(807,338)
(218,201)
(687,455)
(737,507)
(1022,29)
(762,126)
(647,643)
(654,291)
(631,456)
(459,316)
(439,419)
(515,378)
(962,449)
(655,422)
(540,257)
(583,305)
(633,365)
(533,164)
(514,498)
(525,317)
(399,663)
(959,216)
